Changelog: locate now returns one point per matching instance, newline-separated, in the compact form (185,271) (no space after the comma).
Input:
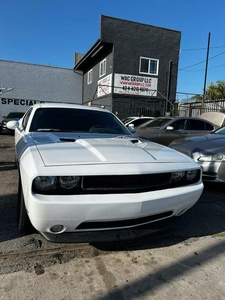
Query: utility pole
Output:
(206,70)
(168,104)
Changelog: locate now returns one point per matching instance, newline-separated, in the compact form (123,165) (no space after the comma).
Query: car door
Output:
(175,130)
(198,127)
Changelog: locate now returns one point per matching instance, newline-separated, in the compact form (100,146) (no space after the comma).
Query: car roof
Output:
(215,125)
(184,117)
(141,117)
(68,105)
(128,119)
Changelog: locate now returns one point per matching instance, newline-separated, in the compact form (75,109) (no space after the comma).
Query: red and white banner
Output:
(105,86)
(135,85)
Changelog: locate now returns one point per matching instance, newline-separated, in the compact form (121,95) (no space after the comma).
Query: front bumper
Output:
(81,213)
(213,171)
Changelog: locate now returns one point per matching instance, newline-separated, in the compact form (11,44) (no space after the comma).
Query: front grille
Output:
(125,183)
(123,223)
(209,176)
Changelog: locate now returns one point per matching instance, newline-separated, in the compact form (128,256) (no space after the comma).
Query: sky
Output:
(49,32)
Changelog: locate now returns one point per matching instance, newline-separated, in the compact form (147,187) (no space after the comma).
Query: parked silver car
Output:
(208,151)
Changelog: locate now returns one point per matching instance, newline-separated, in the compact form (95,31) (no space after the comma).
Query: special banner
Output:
(105,86)
(135,85)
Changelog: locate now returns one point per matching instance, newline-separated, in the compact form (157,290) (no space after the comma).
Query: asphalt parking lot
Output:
(181,258)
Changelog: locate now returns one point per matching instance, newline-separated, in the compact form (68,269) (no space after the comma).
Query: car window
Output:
(179,124)
(128,119)
(156,123)
(196,125)
(26,118)
(208,126)
(79,120)
(139,122)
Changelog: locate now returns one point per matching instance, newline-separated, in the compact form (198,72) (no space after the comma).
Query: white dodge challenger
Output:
(81,169)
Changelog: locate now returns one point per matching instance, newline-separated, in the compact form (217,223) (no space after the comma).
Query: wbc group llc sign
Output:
(135,85)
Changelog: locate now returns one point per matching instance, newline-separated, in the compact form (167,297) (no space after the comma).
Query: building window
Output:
(89,76)
(102,68)
(149,66)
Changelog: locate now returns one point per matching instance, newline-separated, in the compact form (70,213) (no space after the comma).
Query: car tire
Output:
(16,165)
(23,222)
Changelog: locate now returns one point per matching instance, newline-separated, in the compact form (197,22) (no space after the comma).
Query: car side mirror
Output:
(12,124)
(169,128)
(131,128)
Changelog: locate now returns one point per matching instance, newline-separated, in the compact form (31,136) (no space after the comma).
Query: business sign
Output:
(19,102)
(105,86)
(135,85)
(8,105)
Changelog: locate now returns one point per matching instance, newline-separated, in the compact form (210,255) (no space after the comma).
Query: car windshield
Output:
(220,131)
(76,120)
(128,119)
(15,115)
(155,123)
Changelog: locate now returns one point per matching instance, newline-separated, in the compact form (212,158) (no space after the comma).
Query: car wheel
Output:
(23,221)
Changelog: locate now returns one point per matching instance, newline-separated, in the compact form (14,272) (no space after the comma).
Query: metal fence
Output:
(195,109)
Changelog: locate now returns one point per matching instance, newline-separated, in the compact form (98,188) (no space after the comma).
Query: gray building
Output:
(131,69)
(32,83)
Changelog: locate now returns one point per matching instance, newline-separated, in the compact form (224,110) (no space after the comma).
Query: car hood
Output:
(200,143)
(215,117)
(69,149)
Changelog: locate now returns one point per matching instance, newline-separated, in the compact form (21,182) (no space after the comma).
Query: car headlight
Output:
(177,176)
(68,182)
(185,177)
(45,183)
(191,174)
(211,158)
(55,184)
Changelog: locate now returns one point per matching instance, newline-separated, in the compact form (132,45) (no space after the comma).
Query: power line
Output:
(192,65)
(202,61)
(194,49)
(187,94)
(200,70)
(217,66)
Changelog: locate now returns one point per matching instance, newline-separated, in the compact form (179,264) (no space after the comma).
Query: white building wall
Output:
(37,83)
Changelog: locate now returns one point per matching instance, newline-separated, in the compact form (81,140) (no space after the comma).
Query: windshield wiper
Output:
(55,130)
(48,129)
